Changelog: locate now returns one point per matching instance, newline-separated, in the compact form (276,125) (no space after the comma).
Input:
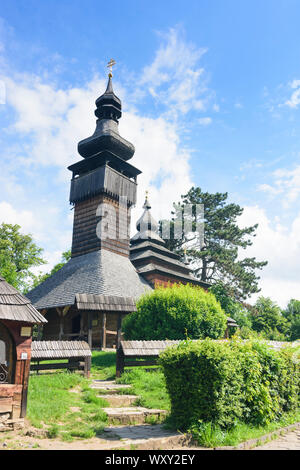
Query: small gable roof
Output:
(15,306)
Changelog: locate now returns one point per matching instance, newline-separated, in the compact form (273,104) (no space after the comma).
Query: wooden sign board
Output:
(26,331)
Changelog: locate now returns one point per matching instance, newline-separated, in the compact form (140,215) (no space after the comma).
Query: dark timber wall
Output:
(102,217)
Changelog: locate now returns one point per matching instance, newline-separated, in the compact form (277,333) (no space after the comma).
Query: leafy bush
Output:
(224,383)
(231,307)
(176,312)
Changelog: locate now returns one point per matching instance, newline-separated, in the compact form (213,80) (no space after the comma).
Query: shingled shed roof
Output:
(146,348)
(154,348)
(14,306)
(59,349)
(102,273)
(106,303)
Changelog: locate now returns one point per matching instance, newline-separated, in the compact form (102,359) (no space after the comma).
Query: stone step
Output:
(119,400)
(144,437)
(108,385)
(133,415)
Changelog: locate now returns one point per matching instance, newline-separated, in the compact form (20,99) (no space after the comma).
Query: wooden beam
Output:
(119,330)
(110,332)
(66,309)
(61,323)
(90,338)
(103,331)
(90,329)
(81,325)
(119,362)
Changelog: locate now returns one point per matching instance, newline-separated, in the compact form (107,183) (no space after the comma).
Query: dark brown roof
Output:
(59,349)
(111,303)
(14,306)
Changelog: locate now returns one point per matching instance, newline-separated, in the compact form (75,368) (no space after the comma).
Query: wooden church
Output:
(107,272)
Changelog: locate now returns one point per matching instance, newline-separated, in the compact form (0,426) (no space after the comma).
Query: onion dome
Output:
(147,227)
(106,136)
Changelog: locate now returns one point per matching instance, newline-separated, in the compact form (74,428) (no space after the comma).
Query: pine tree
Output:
(218,258)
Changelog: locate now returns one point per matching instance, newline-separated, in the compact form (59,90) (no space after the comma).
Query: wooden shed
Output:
(17,317)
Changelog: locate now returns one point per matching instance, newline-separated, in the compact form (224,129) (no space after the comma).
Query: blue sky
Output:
(211,97)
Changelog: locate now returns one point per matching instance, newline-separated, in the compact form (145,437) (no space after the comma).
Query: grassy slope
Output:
(50,401)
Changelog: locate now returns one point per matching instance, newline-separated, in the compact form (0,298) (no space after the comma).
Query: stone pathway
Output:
(122,410)
(131,425)
(290,441)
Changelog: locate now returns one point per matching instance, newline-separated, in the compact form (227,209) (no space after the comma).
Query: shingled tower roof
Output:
(150,256)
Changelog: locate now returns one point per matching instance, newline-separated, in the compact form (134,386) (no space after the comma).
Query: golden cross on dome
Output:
(110,65)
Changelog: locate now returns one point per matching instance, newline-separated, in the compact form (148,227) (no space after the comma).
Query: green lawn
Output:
(149,386)
(208,436)
(103,365)
(65,413)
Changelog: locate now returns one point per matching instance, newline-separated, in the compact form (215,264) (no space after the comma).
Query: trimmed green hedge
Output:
(228,382)
(176,312)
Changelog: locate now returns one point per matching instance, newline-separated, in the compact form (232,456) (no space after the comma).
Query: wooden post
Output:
(87,367)
(119,330)
(25,367)
(39,332)
(61,323)
(103,331)
(90,338)
(90,329)
(120,362)
(40,326)
(81,325)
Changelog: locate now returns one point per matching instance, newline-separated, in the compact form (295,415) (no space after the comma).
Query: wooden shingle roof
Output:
(101,272)
(109,303)
(59,349)
(146,348)
(15,306)
(154,348)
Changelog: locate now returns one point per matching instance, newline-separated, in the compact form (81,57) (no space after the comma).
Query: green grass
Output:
(103,365)
(208,436)
(149,385)
(50,401)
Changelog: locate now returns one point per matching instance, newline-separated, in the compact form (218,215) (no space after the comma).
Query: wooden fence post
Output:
(120,362)
(103,346)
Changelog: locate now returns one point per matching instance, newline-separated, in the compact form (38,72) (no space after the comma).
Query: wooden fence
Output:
(77,354)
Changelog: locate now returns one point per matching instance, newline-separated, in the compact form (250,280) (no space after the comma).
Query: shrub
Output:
(223,383)
(176,312)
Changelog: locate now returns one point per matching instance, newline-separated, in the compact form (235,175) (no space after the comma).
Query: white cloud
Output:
(52,117)
(43,224)
(294,100)
(49,121)
(174,77)
(10,215)
(280,246)
(205,121)
(286,183)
